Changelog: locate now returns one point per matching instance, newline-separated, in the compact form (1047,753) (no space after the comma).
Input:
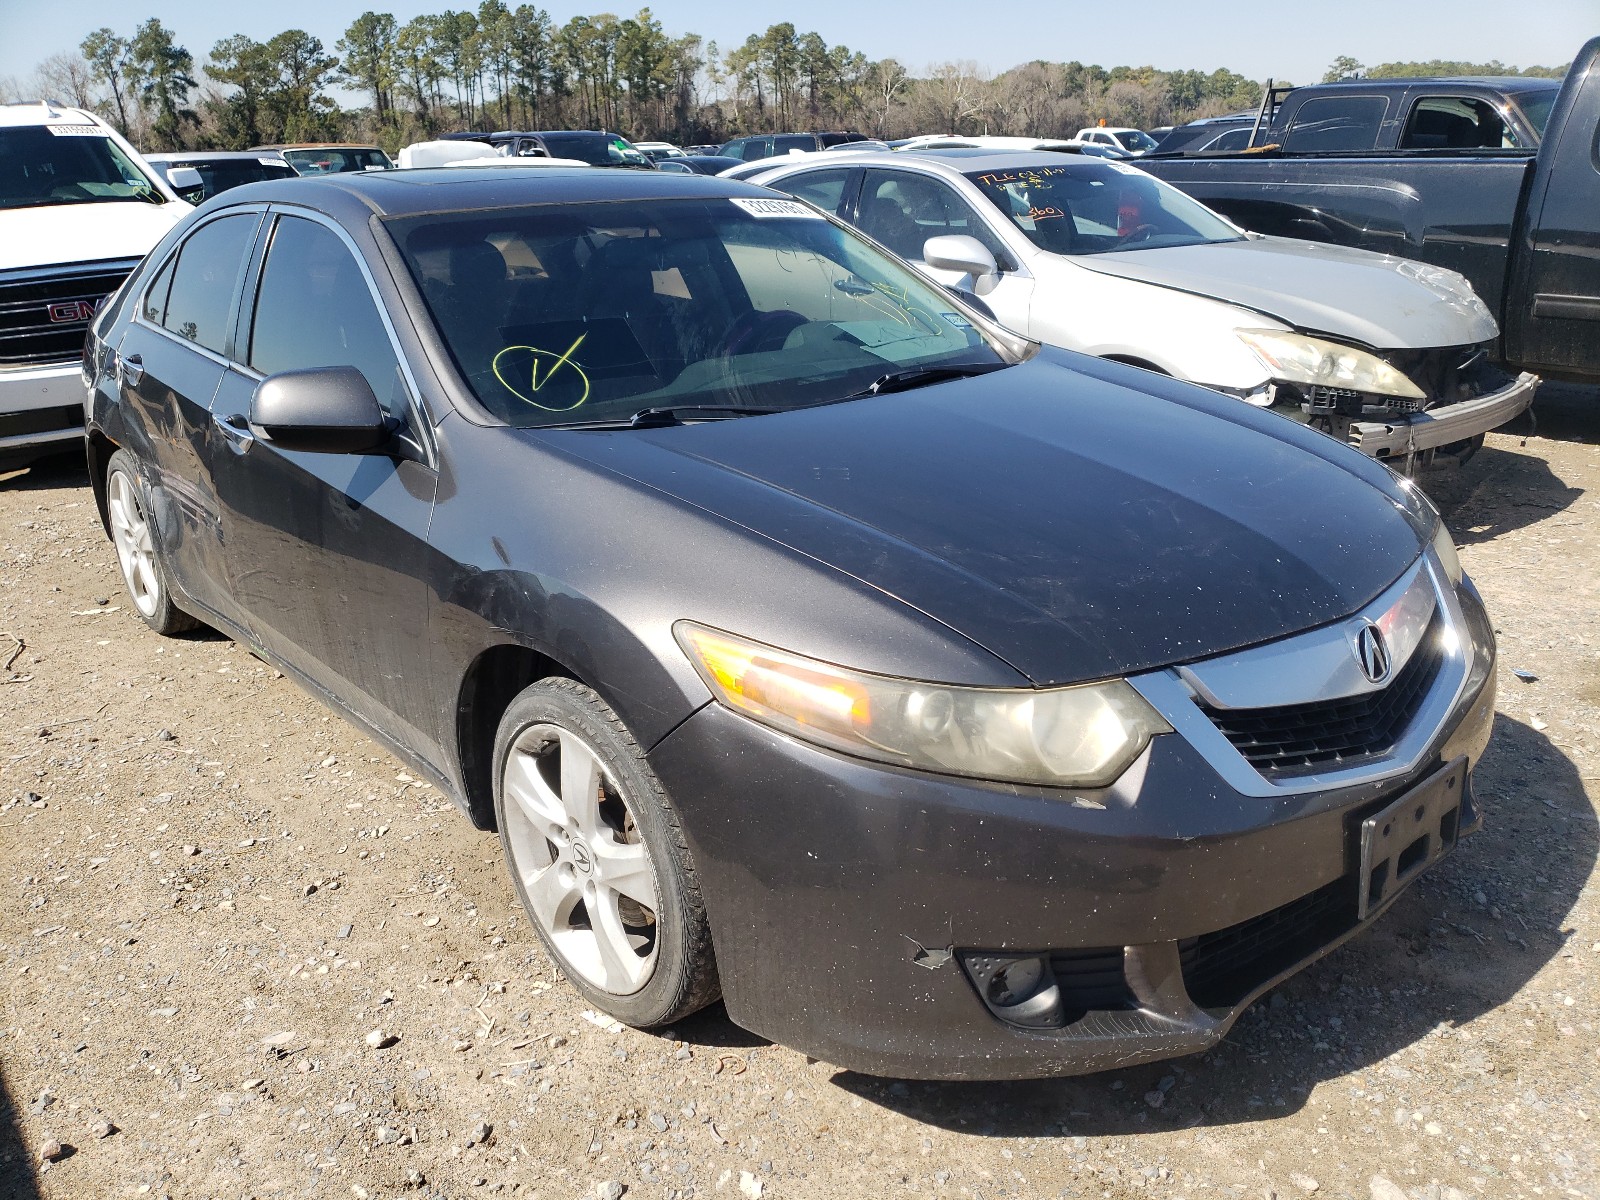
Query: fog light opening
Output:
(1020,991)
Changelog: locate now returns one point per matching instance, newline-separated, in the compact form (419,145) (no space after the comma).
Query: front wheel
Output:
(143,573)
(598,857)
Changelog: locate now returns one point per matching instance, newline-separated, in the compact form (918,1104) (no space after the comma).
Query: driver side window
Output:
(903,210)
(314,309)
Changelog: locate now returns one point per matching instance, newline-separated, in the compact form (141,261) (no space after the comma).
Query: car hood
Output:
(1077,523)
(1356,295)
(90,232)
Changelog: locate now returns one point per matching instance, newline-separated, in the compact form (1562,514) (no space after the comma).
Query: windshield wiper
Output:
(655,418)
(914,377)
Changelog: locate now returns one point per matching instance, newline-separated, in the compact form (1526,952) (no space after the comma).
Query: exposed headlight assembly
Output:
(1295,358)
(1083,736)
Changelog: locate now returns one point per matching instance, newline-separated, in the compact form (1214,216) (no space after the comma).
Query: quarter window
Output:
(314,309)
(199,306)
(1336,123)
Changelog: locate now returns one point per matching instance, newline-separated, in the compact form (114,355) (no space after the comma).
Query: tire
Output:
(609,886)
(143,573)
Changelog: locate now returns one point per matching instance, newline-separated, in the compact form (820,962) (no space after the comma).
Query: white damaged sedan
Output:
(1393,356)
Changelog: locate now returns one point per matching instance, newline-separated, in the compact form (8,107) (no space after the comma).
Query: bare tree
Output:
(68,78)
(952,95)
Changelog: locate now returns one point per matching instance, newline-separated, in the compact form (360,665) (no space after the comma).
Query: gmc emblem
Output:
(73,310)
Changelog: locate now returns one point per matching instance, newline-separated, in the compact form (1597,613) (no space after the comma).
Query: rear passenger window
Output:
(199,305)
(1455,122)
(823,188)
(1336,123)
(314,309)
(782,145)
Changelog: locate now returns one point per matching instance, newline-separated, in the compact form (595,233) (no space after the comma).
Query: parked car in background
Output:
(78,209)
(768,145)
(1129,141)
(1099,257)
(222,169)
(658,151)
(465,153)
(699,164)
(1210,135)
(778,608)
(1520,223)
(331,158)
(595,147)
(711,148)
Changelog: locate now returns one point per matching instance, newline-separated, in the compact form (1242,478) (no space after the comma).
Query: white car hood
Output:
(1383,302)
(74,233)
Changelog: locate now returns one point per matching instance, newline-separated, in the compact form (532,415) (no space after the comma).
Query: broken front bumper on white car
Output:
(1403,437)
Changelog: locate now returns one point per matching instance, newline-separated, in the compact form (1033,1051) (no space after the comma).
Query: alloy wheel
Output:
(576,848)
(130,534)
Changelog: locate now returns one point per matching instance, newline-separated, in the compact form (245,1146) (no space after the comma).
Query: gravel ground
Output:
(245,954)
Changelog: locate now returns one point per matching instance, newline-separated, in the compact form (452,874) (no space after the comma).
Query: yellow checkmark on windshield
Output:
(505,362)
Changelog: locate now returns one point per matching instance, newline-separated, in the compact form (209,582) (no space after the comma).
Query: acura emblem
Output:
(1372,652)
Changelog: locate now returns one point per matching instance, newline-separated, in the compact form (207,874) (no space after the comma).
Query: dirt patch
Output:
(216,890)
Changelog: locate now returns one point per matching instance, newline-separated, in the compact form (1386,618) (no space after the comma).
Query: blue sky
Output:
(1255,37)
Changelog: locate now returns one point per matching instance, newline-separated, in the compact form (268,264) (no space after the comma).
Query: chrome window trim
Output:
(1171,693)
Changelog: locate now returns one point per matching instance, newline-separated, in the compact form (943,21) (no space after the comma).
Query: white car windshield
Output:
(67,164)
(577,314)
(1097,207)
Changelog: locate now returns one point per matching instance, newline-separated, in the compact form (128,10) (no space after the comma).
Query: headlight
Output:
(1445,548)
(1295,358)
(1083,736)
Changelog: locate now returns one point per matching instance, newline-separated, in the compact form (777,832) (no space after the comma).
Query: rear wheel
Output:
(598,857)
(142,571)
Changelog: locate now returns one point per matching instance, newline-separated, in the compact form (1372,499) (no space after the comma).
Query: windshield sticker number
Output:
(775,208)
(1045,212)
(544,369)
(76,131)
(957,320)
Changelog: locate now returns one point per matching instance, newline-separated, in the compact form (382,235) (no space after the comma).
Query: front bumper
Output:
(41,411)
(853,905)
(1401,437)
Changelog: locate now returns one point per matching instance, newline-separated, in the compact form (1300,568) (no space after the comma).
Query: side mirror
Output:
(184,179)
(960,252)
(324,410)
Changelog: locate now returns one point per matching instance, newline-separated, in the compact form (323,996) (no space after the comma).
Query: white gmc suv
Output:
(78,209)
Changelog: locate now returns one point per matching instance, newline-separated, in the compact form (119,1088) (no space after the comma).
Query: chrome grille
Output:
(1329,734)
(38,324)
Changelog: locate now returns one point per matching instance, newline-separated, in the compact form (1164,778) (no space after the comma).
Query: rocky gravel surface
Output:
(244,953)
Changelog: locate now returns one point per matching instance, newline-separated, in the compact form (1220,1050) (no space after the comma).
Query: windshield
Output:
(1536,107)
(330,160)
(67,164)
(1133,139)
(218,175)
(596,149)
(1095,207)
(581,313)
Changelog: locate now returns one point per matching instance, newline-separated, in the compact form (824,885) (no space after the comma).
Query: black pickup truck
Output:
(1522,224)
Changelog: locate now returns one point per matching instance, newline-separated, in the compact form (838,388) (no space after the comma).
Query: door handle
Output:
(131,368)
(235,430)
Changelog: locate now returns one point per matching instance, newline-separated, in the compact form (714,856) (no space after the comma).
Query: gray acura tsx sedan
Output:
(949,705)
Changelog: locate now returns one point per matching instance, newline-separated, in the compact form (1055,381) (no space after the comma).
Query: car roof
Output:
(215,155)
(959,159)
(42,112)
(280,146)
(1506,83)
(355,196)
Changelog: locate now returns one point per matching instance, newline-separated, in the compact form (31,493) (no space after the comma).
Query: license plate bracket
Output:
(1405,838)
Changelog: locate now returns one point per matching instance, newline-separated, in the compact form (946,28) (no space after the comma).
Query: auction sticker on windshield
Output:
(775,208)
(76,131)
